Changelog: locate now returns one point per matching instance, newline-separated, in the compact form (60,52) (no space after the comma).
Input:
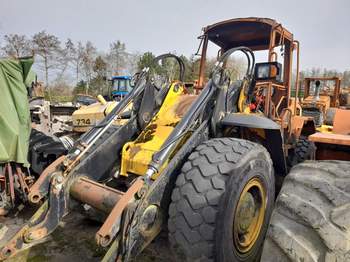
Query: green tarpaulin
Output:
(14,110)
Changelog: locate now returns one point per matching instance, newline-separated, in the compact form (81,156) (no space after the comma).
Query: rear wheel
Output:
(222,202)
(303,151)
(310,221)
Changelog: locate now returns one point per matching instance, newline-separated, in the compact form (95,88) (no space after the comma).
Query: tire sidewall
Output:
(254,167)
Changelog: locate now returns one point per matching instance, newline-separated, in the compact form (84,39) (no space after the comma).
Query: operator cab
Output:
(322,88)
(121,86)
(272,75)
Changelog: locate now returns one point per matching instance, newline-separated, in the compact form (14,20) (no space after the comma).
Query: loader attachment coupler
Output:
(96,195)
(56,180)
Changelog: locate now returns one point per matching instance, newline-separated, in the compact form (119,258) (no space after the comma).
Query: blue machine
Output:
(121,86)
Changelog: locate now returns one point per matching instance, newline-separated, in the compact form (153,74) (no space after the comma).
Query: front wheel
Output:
(222,202)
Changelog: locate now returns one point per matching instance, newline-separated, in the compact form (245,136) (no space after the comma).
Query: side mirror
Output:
(268,71)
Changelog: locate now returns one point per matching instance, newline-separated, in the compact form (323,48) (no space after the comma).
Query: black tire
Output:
(304,150)
(43,150)
(310,221)
(205,199)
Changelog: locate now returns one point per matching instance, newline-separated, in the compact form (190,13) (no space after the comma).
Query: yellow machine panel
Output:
(325,129)
(138,154)
(242,106)
(88,116)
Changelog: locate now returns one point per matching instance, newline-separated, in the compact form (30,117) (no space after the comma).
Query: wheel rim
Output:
(249,215)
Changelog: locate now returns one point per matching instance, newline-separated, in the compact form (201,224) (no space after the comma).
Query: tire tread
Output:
(211,158)
(312,211)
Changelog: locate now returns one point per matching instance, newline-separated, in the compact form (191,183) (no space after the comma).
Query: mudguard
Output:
(273,136)
(249,121)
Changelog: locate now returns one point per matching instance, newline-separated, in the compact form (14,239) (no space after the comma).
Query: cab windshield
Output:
(121,85)
(326,88)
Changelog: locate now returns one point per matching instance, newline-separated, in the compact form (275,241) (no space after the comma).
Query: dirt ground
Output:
(74,241)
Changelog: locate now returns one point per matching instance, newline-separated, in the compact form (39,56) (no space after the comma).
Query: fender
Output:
(273,141)
(249,121)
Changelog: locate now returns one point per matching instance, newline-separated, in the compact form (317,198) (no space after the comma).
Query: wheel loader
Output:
(204,166)
(321,100)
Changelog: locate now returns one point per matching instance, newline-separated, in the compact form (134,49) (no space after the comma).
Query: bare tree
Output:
(65,58)
(236,67)
(100,68)
(117,57)
(78,59)
(88,61)
(75,54)
(47,47)
(17,45)
(131,62)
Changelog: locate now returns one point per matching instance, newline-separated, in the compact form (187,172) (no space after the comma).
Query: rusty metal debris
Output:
(14,183)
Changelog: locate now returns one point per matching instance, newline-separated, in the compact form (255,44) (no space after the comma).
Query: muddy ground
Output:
(74,241)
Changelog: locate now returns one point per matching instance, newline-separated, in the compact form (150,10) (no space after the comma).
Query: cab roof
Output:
(252,32)
(121,77)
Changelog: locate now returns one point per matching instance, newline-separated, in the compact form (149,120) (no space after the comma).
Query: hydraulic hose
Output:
(178,60)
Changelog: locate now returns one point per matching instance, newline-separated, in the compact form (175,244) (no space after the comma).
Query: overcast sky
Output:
(322,26)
